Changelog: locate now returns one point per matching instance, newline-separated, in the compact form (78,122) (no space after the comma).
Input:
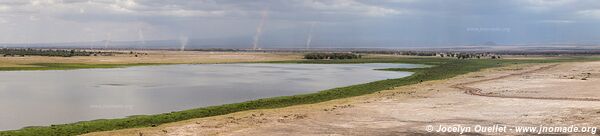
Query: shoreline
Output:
(130,82)
(125,60)
(445,68)
(404,110)
(240,122)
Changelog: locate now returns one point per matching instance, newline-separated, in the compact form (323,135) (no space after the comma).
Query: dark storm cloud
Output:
(340,22)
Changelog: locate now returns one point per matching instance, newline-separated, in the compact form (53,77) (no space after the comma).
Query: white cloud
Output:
(544,5)
(591,13)
(191,13)
(351,7)
(4,8)
(379,11)
(557,21)
(124,5)
(33,18)
(44,2)
(548,2)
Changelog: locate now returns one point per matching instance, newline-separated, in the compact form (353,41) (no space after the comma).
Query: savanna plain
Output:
(512,91)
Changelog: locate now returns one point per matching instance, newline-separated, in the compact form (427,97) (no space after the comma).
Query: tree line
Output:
(458,55)
(49,52)
(332,56)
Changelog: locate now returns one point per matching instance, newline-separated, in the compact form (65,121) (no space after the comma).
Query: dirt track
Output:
(478,91)
(546,94)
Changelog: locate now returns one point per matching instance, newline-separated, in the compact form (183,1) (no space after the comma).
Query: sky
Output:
(290,23)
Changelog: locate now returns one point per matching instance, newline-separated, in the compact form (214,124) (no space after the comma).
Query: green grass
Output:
(442,69)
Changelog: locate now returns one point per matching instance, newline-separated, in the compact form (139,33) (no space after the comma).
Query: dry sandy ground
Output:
(408,110)
(549,84)
(162,57)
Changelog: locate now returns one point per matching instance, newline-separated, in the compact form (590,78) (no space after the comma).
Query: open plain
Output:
(152,57)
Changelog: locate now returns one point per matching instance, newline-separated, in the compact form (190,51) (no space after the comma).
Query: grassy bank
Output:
(442,69)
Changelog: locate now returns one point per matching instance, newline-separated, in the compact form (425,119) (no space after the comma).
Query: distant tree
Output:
(47,52)
(332,56)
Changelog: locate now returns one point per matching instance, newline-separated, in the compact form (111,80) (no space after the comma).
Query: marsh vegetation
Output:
(442,68)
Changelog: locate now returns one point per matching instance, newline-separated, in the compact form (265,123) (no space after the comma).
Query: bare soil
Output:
(158,57)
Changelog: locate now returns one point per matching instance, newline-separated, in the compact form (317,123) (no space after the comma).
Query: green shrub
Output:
(332,56)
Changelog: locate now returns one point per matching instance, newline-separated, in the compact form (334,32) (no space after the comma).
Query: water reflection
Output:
(49,97)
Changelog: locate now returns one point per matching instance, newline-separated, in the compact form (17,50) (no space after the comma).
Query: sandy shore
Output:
(543,92)
(158,57)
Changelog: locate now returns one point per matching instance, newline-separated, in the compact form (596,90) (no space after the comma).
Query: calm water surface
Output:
(31,98)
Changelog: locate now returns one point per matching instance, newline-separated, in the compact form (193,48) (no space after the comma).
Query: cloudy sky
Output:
(334,23)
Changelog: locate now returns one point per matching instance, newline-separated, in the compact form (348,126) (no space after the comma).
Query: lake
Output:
(34,98)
